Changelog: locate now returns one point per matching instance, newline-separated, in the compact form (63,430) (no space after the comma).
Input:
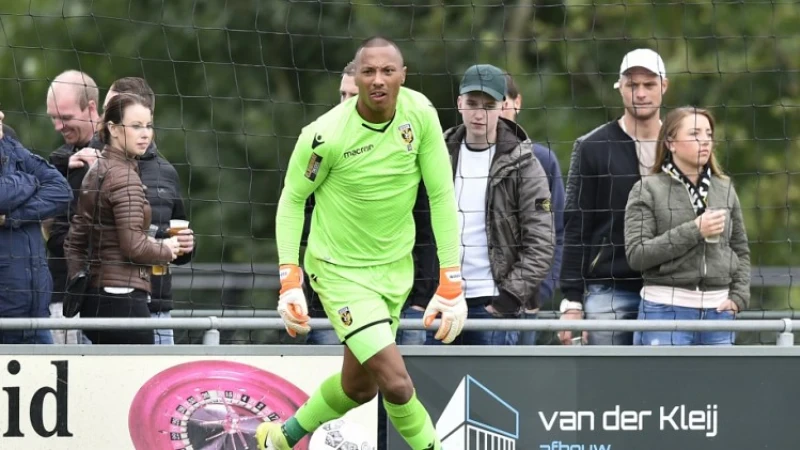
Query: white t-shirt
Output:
(685,298)
(645,150)
(472,176)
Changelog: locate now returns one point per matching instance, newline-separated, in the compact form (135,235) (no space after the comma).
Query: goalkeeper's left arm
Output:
(434,163)
(307,169)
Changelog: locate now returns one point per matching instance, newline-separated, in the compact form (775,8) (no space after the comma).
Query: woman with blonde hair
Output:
(685,231)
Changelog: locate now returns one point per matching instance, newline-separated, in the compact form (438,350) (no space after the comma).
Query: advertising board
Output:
(608,402)
(156,402)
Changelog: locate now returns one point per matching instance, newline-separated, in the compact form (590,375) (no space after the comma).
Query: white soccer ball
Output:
(341,434)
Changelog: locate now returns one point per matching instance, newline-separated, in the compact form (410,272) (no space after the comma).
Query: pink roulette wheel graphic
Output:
(210,405)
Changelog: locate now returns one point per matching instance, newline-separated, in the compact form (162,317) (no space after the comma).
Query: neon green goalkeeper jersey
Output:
(365,178)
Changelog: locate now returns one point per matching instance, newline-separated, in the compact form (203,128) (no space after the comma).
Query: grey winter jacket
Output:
(663,241)
(519,223)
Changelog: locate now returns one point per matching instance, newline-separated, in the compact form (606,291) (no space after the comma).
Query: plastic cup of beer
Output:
(176,226)
(715,239)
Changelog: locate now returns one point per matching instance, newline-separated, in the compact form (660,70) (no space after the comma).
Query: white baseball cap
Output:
(644,58)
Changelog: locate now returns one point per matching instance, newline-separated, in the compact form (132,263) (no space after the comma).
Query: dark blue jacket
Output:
(553,170)
(31,190)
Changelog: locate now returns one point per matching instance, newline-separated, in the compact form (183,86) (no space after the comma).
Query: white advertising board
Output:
(155,402)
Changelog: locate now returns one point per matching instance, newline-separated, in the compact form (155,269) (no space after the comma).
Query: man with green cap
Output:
(503,197)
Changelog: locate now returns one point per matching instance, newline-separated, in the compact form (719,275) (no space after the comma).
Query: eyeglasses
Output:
(138,128)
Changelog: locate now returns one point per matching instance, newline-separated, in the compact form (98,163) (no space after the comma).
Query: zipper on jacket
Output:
(488,203)
(705,267)
(599,253)
(705,246)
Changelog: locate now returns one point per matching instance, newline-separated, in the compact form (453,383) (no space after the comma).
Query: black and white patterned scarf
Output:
(698,193)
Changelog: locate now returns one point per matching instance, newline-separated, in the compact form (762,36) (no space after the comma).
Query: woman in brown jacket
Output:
(112,218)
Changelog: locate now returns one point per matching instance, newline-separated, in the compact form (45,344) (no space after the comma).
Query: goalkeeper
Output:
(363,161)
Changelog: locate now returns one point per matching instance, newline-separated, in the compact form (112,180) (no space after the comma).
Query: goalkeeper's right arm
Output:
(306,171)
(437,175)
(308,168)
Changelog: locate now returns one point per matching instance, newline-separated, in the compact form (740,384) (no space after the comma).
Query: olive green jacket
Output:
(664,243)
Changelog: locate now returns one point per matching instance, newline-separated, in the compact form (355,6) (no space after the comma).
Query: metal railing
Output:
(240,312)
(265,276)
(212,325)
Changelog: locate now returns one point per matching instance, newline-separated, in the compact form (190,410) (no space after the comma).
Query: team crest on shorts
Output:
(347,318)
(407,134)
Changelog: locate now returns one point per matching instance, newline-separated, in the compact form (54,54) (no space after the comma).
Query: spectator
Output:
(163,192)
(549,161)
(426,267)
(72,106)
(347,87)
(31,190)
(692,248)
(503,205)
(595,275)
(113,214)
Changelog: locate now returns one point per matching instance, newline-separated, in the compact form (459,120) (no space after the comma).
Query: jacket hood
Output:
(513,127)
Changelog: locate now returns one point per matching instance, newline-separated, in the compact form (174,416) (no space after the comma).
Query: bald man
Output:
(72,101)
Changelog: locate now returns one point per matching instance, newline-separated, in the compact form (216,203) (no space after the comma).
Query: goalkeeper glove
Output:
(449,301)
(292,304)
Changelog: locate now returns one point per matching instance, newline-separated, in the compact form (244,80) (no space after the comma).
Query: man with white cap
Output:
(605,164)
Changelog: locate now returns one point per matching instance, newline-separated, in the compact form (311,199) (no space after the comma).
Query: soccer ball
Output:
(341,434)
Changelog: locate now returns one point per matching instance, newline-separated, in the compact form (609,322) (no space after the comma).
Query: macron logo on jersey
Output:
(358,151)
(317,141)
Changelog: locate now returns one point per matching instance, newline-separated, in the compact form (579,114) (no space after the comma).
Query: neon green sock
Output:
(414,424)
(327,403)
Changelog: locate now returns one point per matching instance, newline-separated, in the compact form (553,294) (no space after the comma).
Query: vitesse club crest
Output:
(347,318)
(407,134)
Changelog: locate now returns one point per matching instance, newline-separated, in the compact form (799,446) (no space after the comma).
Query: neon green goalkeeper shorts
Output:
(363,304)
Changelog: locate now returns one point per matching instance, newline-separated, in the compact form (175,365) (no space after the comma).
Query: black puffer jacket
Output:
(164,194)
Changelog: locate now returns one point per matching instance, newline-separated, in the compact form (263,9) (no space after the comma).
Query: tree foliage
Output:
(237,80)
